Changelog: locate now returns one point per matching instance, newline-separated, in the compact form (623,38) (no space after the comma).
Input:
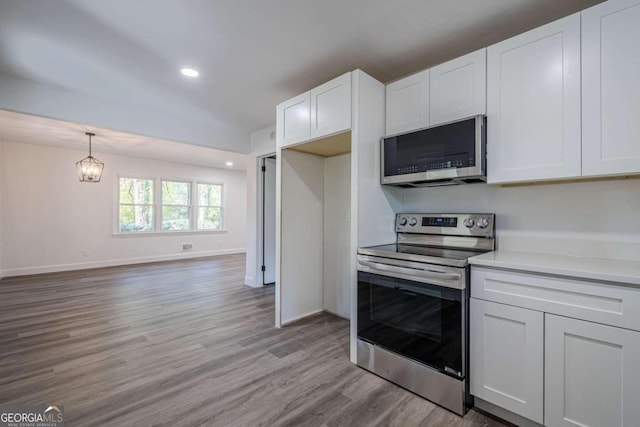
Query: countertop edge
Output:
(568,271)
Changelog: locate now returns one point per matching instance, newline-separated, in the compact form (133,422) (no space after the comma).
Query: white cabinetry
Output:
(293,120)
(533,104)
(591,374)
(611,88)
(507,357)
(458,88)
(408,103)
(331,107)
(323,111)
(581,337)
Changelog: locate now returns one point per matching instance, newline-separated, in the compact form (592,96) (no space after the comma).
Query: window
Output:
(135,211)
(159,205)
(209,209)
(176,206)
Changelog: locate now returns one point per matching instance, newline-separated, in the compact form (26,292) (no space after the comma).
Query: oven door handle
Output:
(427,274)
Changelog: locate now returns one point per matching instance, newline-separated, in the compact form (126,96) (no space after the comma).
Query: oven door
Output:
(424,322)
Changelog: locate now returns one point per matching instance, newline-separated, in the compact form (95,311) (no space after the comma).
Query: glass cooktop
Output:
(428,254)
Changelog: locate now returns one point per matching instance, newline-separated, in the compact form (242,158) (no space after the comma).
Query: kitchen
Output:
(320,213)
(547,309)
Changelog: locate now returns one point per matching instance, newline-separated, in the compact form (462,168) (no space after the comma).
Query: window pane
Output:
(175,218)
(210,195)
(136,218)
(176,193)
(136,191)
(209,218)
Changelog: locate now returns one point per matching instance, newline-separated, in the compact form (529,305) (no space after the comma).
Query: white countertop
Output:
(601,269)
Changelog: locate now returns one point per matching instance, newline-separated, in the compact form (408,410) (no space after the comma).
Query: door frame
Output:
(260,218)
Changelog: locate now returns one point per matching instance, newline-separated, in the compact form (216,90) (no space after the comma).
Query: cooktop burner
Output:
(428,254)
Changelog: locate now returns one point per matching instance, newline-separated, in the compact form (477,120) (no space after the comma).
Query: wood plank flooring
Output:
(185,343)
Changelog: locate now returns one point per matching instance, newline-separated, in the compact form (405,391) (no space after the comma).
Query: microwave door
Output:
(454,150)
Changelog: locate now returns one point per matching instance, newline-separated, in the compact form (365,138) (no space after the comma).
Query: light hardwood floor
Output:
(186,343)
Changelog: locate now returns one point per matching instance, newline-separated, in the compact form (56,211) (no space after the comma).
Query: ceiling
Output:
(24,128)
(251,54)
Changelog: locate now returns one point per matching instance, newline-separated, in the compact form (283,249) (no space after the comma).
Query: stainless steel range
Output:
(413,304)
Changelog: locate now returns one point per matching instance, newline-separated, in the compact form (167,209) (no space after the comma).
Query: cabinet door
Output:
(591,374)
(507,357)
(533,104)
(611,88)
(331,107)
(293,120)
(408,103)
(459,88)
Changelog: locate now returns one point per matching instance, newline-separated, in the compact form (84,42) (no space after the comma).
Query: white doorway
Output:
(268,220)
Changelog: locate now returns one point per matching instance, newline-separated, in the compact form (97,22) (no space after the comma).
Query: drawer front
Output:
(598,302)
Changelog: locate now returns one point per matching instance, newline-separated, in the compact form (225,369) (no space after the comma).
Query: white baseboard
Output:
(23,271)
(249,281)
(300,317)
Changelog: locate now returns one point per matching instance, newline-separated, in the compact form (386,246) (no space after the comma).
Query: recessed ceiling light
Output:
(190,72)
(229,163)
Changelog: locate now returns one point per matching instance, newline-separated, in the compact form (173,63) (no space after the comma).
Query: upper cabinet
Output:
(331,107)
(323,111)
(408,103)
(611,88)
(458,88)
(533,104)
(293,120)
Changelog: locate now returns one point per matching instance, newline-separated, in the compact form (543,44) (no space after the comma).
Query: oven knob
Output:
(402,221)
(482,222)
(468,222)
(413,222)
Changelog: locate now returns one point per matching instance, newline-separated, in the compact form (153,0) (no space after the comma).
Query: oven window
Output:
(419,321)
(442,147)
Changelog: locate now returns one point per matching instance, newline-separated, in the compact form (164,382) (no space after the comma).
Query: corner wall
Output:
(52,222)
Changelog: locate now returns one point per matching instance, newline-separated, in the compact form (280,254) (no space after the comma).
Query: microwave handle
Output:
(427,274)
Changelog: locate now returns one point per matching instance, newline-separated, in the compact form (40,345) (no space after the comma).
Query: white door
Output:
(591,374)
(293,120)
(269,221)
(507,357)
(611,88)
(459,88)
(533,104)
(331,107)
(408,103)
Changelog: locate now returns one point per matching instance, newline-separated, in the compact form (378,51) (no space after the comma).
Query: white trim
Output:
(249,281)
(302,316)
(166,233)
(116,262)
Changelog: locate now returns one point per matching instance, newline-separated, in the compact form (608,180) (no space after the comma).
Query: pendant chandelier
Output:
(89,168)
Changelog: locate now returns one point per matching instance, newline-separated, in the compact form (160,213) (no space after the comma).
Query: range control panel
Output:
(479,225)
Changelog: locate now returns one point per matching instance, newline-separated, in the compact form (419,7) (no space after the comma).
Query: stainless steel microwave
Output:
(446,154)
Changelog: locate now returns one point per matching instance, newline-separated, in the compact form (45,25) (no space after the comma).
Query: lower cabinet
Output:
(507,357)
(591,374)
(590,371)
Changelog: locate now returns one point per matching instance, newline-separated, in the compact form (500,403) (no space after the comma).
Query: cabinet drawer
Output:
(598,302)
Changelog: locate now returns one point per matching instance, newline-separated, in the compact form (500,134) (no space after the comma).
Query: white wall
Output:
(337,235)
(263,143)
(585,218)
(299,291)
(51,221)
(165,121)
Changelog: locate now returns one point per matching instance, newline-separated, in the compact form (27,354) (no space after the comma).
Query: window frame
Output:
(163,204)
(153,205)
(157,207)
(197,206)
